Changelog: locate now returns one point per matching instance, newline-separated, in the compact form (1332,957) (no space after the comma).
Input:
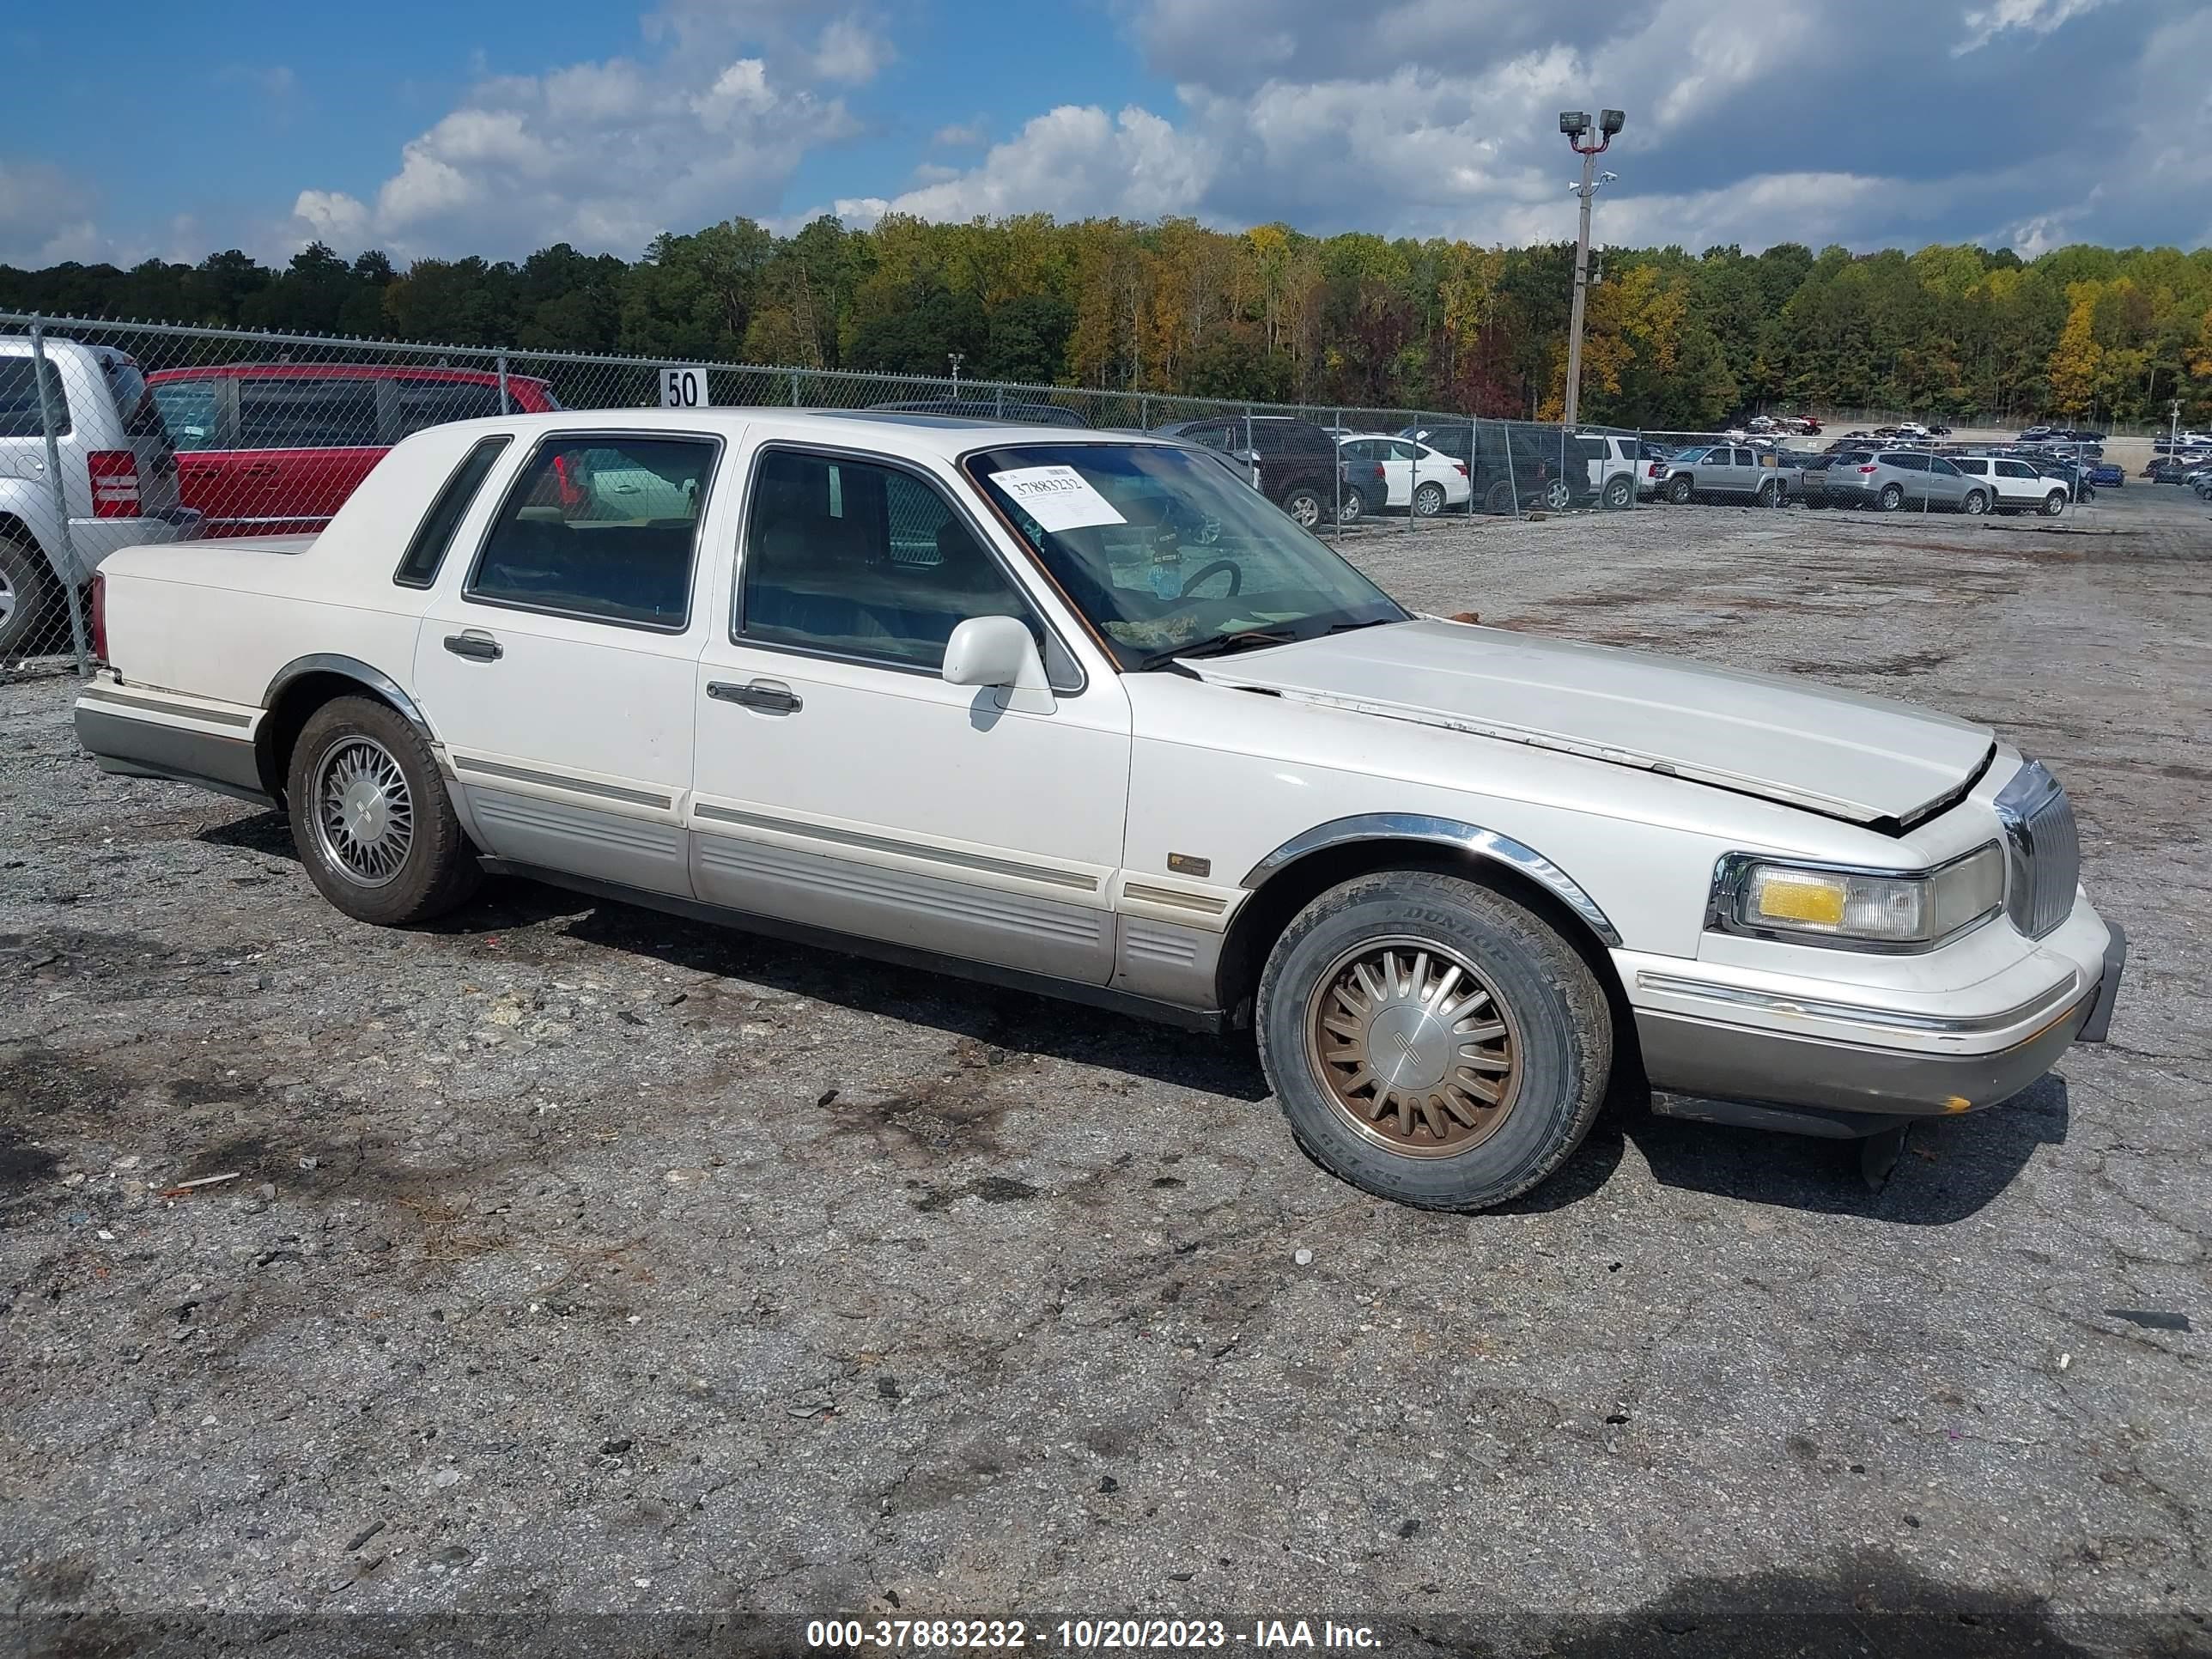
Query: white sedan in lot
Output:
(1082,714)
(1426,480)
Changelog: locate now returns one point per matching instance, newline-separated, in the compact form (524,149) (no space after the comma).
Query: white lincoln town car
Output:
(1084,714)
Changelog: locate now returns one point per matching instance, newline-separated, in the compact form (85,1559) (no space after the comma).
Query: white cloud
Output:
(1984,24)
(45,217)
(850,52)
(966,137)
(605,155)
(1075,161)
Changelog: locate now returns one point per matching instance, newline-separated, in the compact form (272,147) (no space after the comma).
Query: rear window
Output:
(306,413)
(435,534)
(20,415)
(433,402)
(141,419)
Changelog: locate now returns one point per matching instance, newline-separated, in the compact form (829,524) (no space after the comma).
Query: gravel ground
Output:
(583,1262)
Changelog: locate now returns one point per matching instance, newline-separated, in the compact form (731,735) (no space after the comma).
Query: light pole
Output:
(1577,125)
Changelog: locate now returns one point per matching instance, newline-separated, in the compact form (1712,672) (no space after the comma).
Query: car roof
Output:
(342,372)
(946,435)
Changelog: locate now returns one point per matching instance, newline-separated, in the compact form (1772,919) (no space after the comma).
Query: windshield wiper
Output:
(1347,627)
(1223,645)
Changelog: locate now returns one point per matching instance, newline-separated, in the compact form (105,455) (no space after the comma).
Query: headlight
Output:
(1815,904)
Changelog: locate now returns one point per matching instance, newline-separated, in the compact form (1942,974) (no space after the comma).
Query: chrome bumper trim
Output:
(1895,1020)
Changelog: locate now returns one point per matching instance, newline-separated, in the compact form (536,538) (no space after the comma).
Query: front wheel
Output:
(1497,499)
(1429,500)
(1975,504)
(1350,508)
(1431,1041)
(1892,498)
(1304,505)
(2054,504)
(1766,494)
(1679,492)
(371,818)
(1617,493)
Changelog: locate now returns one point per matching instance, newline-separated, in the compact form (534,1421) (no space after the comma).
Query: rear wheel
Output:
(371,818)
(1679,492)
(1557,496)
(1766,494)
(28,598)
(1305,505)
(1618,491)
(1431,1041)
(1429,500)
(1975,503)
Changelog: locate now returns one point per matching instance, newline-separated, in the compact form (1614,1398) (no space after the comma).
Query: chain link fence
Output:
(120,434)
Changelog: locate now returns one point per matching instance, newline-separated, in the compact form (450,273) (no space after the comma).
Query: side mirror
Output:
(994,651)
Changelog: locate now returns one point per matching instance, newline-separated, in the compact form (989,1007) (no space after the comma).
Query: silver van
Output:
(119,482)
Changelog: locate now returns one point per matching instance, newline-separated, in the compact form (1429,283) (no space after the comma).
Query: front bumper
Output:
(1715,1072)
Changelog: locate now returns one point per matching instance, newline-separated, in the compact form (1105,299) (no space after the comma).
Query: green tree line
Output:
(1674,339)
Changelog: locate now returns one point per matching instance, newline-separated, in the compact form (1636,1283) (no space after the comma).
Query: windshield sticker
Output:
(1057,497)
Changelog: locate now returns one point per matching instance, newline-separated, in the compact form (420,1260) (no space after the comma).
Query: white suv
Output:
(119,480)
(2020,488)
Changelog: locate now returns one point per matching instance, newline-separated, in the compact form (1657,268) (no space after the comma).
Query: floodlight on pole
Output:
(1576,123)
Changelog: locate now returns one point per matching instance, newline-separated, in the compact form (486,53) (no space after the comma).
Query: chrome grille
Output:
(2043,852)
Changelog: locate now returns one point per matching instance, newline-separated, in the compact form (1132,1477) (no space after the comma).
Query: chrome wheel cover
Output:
(1429,500)
(1557,496)
(7,599)
(364,812)
(1413,1046)
(1306,512)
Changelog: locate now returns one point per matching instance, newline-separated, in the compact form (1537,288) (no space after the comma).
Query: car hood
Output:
(1862,759)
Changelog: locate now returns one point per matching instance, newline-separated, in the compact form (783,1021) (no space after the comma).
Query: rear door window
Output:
(307,412)
(600,528)
(425,402)
(427,551)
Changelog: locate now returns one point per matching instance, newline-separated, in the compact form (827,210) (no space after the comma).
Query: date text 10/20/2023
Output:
(1090,1635)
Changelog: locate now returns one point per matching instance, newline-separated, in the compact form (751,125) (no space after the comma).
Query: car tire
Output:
(1678,491)
(1350,507)
(1428,500)
(1558,498)
(1975,505)
(1766,494)
(28,597)
(1387,953)
(1497,499)
(1618,492)
(1892,498)
(1305,505)
(371,818)
(2054,504)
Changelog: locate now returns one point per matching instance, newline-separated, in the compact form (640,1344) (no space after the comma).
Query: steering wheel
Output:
(1235,577)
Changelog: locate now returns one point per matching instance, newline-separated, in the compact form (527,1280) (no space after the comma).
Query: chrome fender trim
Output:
(1469,838)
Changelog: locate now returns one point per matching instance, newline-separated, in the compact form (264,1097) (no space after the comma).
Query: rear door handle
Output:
(477,648)
(769,696)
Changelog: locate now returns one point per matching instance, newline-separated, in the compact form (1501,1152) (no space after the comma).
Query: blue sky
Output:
(497,127)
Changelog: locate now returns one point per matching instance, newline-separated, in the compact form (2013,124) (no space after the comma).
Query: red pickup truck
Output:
(269,449)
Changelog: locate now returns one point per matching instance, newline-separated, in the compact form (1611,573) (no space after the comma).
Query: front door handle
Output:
(769,696)
(477,648)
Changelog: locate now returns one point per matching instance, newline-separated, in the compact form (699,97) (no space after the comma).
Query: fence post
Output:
(506,403)
(1336,523)
(998,402)
(794,386)
(1144,412)
(63,554)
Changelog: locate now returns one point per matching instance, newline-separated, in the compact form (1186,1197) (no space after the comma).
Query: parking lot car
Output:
(266,449)
(2167,469)
(1415,477)
(1293,463)
(1889,479)
(1813,475)
(993,702)
(2018,486)
(2107,475)
(1511,464)
(1717,471)
(119,480)
(1615,463)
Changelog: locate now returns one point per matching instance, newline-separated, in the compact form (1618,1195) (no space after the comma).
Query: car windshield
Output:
(1168,552)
